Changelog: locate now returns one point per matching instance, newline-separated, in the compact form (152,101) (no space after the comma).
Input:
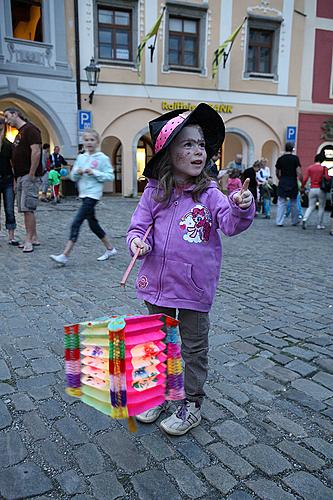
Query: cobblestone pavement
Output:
(267,427)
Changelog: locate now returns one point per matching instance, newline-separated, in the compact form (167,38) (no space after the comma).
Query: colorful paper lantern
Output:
(123,366)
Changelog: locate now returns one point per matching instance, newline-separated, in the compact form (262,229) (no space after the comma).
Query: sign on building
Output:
(291,134)
(84,120)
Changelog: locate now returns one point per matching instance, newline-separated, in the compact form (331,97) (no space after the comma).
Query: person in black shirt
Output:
(251,173)
(288,170)
(27,168)
(7,182)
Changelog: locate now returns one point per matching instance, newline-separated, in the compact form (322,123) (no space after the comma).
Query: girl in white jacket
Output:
(90,171)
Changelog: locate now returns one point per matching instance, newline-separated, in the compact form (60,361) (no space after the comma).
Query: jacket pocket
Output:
(178,283)
(149,274)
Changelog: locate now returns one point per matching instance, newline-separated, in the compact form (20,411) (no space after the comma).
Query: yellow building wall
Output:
(70,31)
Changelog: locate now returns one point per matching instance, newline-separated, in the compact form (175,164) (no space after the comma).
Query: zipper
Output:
(175,203)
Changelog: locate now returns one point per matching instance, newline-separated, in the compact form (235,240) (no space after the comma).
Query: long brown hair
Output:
(167,181)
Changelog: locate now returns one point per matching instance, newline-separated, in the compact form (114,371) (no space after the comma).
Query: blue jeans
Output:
(267,206)
(8,195)
(299,207)
(86,211)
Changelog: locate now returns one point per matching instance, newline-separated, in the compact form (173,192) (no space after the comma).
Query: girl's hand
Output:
(79,171)
(138,243)
(243,199)
(88,171)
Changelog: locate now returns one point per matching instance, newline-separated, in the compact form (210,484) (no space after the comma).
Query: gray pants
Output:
(281,211)
(316,194)
(193,328)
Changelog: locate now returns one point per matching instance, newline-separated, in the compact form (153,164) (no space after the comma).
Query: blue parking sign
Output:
(291,134)
(84,119)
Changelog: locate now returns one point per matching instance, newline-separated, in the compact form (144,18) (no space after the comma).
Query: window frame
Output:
(263,24)
(196,13)
(182,35)
(122,5)
(45,24)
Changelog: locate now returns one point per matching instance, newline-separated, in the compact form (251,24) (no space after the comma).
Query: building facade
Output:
(256,91)
(315,121)
(37,67)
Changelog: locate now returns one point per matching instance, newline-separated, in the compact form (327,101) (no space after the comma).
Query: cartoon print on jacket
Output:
(197,223)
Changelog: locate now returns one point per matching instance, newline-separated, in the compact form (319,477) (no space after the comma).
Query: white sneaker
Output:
(108,254)
(149,416)
(320,226)
(60,259)
(187,416)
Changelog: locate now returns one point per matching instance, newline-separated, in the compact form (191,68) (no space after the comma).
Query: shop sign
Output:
(171,106)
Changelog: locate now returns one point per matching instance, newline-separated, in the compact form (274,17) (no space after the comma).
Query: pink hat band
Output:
(167,130)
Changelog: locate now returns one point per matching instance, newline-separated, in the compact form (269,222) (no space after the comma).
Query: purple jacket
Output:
(183,267)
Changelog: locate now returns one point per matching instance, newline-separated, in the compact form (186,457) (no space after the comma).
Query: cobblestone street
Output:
(267,429)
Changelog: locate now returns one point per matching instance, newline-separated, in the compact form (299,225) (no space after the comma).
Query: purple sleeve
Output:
(230,218)
(141,219)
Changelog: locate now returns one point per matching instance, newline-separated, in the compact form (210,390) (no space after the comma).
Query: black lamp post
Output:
(92,72)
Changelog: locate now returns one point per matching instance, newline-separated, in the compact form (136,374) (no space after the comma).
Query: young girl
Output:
(182,254)
(90,170)
(234,183)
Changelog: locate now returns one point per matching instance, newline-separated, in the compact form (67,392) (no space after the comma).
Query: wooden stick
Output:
(135,256)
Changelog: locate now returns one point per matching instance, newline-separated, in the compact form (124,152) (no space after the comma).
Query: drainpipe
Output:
(77,54)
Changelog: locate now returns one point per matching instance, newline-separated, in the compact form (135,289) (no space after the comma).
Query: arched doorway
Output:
(34,116)
(232,145)
(237,141)
(270,151)
(44,117)
(144,152)
(112,147)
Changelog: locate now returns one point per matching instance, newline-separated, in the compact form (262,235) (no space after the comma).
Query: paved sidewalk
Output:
(267,430)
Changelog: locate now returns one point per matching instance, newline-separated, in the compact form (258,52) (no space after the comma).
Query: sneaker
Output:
(108,254)
(303,224)
(186,417)
(320,226)
(149,416)
(60,259)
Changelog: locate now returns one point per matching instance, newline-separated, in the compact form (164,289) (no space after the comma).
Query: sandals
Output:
(23,245)
(28,248)
(14,243)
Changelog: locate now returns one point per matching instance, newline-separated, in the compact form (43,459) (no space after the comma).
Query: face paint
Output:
(188,153)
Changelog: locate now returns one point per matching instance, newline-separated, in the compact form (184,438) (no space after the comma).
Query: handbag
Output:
(325,184)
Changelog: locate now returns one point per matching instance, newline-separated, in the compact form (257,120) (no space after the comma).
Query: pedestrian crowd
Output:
(292,192)
(176,225)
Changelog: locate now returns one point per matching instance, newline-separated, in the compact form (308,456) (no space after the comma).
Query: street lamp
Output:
(92,72)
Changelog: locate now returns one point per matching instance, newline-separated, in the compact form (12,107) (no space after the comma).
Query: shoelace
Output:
(181,410)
